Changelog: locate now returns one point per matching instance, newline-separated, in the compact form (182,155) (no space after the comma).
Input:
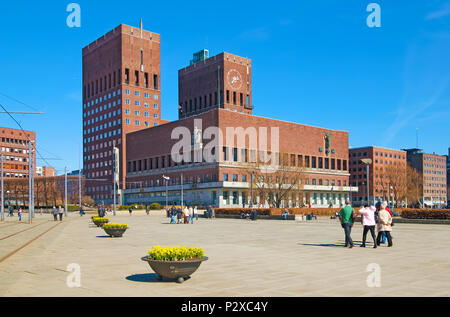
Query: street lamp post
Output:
(167,192)
(251,190)
(367,161)
(3,197)
(181,191)
(65,191)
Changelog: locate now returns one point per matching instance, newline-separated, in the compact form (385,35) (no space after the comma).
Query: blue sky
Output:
(314,62)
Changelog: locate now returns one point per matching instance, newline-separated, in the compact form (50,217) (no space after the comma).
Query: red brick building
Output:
(320,155)
(433,169)
(379,186)
(121,94)
(222,81)
(45,171)
(15,150)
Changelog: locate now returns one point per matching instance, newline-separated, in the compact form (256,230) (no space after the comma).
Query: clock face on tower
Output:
(234,79)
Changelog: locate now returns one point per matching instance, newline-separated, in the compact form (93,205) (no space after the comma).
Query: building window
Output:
(225,179)
(155,82)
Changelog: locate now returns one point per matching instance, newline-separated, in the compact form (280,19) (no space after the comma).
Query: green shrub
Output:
(156,206)
(175,253)
(126,207)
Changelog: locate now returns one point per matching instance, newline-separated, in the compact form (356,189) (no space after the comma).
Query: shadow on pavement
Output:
(322,245)
(103,237)
(150,278)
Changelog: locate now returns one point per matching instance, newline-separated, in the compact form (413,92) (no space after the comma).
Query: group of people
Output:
(11,212)
(183,215)
(57,211)
(187,214)
(379,216)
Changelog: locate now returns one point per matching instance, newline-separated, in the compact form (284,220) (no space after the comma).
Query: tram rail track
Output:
(28,242)
(18,232)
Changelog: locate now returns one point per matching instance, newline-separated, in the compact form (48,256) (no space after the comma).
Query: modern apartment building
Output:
(45,171)
(15,151)
(121,94)
(382,162)
(433,168)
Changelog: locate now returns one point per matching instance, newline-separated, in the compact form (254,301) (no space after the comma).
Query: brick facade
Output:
(379,187)
(433,169)
(121,94)
(149,158)
(14,146)
(222,81)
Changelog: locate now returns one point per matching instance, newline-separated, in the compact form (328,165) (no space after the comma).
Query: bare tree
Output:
(396,177)
(277,182)
(414,186)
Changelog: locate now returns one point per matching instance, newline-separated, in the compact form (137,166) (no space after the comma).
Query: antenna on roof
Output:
(417,138)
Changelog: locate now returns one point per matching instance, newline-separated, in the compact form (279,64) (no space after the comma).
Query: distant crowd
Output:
(187,214)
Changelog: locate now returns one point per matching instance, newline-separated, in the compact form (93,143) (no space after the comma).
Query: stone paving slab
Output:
(261,258)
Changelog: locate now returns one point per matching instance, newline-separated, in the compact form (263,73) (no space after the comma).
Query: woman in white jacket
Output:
(384,224)
(368,222)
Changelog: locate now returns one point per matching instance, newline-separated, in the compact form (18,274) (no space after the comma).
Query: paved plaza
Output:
(246,258)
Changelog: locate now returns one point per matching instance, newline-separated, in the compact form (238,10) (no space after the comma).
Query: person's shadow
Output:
(151,278)
(322,244)
(340,244)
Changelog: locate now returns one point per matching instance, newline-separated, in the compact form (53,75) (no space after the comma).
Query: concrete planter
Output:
(176,270)
(116,233)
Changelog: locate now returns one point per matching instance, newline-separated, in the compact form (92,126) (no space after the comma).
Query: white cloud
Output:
(442,12)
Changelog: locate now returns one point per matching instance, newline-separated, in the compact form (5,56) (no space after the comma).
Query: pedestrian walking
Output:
(347,221)
(20,214)
(191,215)
(130,210)
(384,224)
(55,213)
(196,213)
(10,211)
(60,213)
(368,222)
(82,213)
(179,215)
(211,212)
(186,215)
(173,213)
(147,209)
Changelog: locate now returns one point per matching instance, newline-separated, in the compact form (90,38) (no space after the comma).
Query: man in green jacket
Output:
(346,217)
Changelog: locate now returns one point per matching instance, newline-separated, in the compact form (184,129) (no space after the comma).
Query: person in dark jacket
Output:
(346,218)
(55,213)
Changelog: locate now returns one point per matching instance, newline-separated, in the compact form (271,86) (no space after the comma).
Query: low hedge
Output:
(442,214)
(156,206)
(278,211)
(408,213)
